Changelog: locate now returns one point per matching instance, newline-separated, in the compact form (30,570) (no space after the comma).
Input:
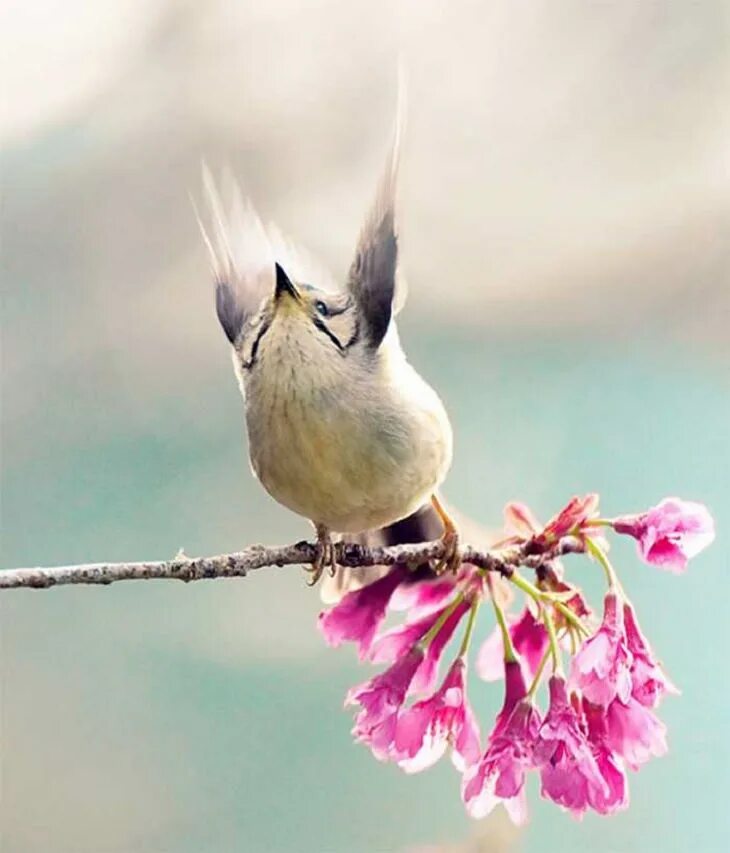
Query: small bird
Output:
(342,429)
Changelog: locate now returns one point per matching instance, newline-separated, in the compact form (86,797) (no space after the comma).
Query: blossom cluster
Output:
(600,719)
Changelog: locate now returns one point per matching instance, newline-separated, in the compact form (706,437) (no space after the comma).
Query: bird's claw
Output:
(451,558)
(324,557)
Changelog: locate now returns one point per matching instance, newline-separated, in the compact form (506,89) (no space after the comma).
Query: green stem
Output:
(602,558)
(554,645)
(527,587)
(538,673)
(542,597)
(469,627)
(573,643)
(439,623)
(570,616)
(509,650)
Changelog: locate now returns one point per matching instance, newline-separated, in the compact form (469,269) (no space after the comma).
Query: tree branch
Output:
(239,564)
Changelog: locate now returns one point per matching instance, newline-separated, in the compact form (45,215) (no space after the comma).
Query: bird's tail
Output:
(423,525)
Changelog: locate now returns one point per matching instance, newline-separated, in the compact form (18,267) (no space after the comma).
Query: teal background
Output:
(566,244)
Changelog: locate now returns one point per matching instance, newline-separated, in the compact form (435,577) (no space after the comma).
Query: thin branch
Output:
(239,564)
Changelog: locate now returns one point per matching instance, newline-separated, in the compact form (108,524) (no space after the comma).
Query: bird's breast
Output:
(352,455)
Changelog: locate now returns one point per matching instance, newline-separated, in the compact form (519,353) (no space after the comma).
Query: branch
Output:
(239,564)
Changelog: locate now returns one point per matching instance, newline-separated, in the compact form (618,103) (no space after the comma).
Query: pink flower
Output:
(420,598)
(515,690)
(394,643)
(529,638)
(616,795)
(576,602)
(424,731)
(358,615)
(570,519)
(648,681)
(519,520)
(381,698)
(601,668)
(499,776)
(427,673)
(634,732)
(521,524)
(568,770)
(670,533)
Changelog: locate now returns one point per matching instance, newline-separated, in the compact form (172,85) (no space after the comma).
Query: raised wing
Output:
(372,277)
(240,253)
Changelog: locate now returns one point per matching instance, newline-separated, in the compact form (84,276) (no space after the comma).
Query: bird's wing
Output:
(240,253)
(373,273)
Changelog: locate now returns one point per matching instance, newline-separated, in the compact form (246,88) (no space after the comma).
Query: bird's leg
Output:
(451,559)
(324,556)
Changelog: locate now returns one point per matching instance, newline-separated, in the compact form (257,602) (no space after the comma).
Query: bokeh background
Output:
(566,236)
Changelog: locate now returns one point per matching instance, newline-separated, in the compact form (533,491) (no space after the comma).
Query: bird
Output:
(342,429)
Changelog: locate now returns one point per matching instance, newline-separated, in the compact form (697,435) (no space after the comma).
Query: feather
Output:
(422,526)
(373,274)
(240,254)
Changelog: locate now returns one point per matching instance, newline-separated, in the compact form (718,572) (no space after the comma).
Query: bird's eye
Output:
(322,308)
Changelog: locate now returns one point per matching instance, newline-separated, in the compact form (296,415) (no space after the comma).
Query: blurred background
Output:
(566,237)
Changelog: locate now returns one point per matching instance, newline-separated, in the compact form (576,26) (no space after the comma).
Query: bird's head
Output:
(275,304)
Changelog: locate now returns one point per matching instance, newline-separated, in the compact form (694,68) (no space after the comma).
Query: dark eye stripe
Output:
(322,328)
(255,348)
(354,338)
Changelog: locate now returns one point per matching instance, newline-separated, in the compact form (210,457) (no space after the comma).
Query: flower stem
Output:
(596,551)
(439,623)
(541,597)
(509,650)
(570,617)
(573,643)
(547,618)
(526,586)
(469,626)
(538,673)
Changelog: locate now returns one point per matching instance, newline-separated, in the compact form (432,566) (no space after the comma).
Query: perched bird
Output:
(342,429)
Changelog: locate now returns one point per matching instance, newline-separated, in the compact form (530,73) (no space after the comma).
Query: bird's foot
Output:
(451,558)
(324,556)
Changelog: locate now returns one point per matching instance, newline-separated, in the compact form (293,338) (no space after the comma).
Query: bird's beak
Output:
(284,287)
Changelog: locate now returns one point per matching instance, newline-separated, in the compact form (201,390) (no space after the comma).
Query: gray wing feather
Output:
(372,277)
(240,254)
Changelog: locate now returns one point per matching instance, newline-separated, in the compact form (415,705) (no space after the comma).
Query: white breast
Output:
(355,445)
